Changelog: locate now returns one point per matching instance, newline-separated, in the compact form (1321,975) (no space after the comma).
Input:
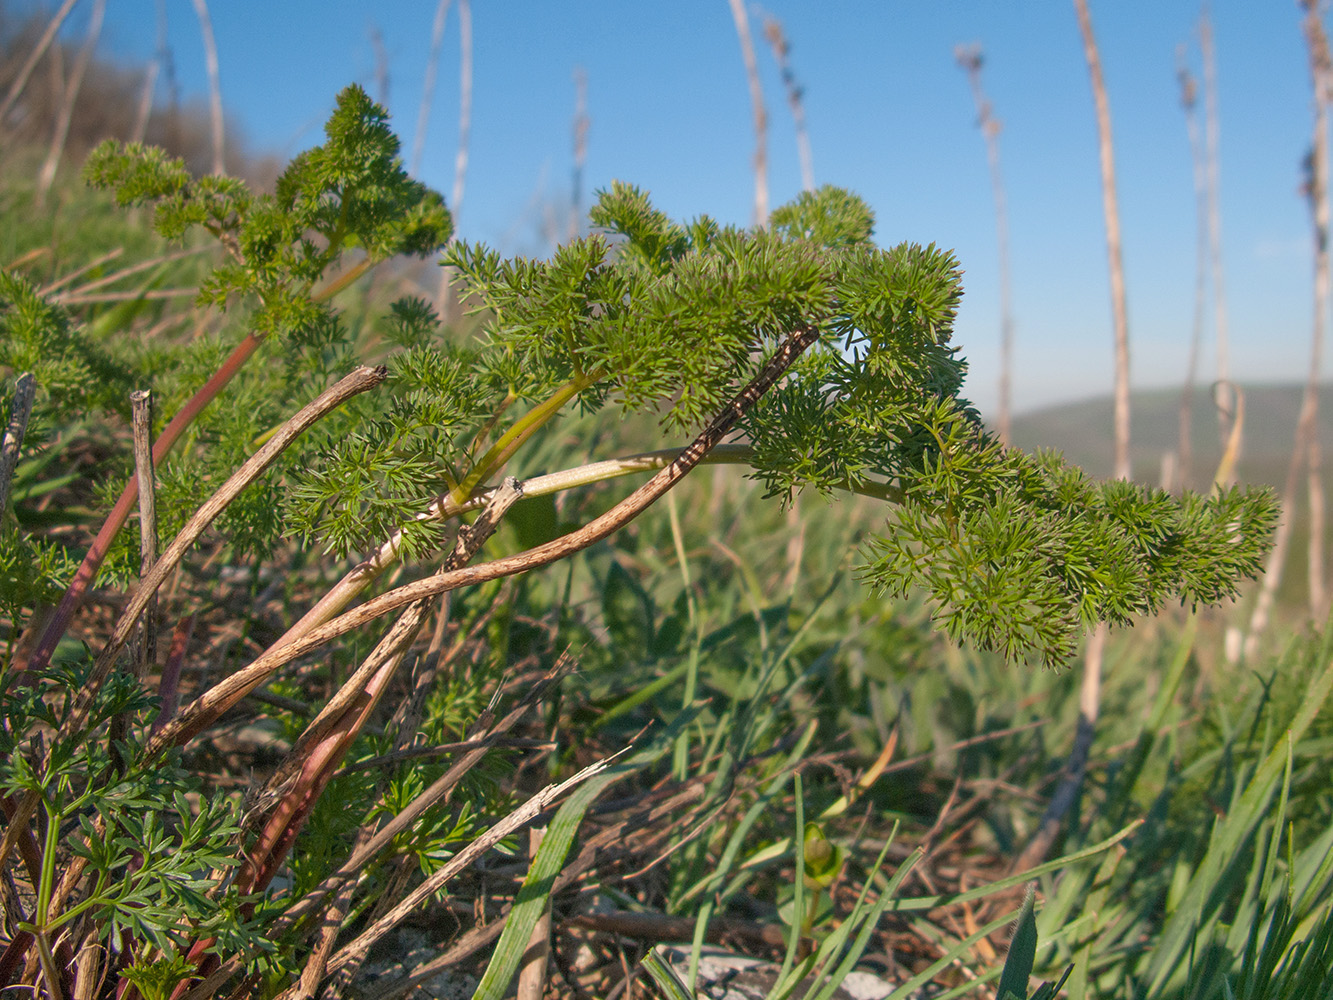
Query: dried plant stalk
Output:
(777,41)
(760,114)
(428,87)
(34,57)
(1316,189)
(46,177)
(25,389)
(218,699)
(1189,94)
(141,412)
(214,85)
(970,58)
(1111,215)
(1226,410)
(360,380)
(580,151)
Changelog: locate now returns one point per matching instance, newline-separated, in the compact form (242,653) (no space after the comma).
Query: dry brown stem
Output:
(742,20)
(47,175)
(20,409)
(1189,94)
(34,57)
(214,85)
(1111,215)
(357,382)
(428,86)
(970,58)
(1316,189)
(212,703)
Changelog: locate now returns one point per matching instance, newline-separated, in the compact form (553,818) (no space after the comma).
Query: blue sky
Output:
(890,116)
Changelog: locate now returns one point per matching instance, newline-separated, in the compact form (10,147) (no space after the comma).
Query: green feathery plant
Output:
(801,351)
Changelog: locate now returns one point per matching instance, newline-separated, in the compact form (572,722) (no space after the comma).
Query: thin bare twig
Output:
(141,412)
(532,973)
(46,177)
(360,380)
(1185,418)
(1076,766)
(1213,187)
(225,694)
(447,303)
(25,390)
(150,76)
(34,57)
(214,84)
(760,113)
(1090,689)
(1316,189)
(517,819)
(580,150)
(381,66)
(969,57)
(428,86)
(777,41)
(1111,214)
(464,104)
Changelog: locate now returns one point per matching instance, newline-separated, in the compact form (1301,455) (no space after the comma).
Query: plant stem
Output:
(1111,213)
(19,412)
(358,381)
(760,114)
(206,708)
(523,428)
(97,552)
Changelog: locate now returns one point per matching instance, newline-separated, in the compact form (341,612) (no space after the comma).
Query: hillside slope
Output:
(1082,431)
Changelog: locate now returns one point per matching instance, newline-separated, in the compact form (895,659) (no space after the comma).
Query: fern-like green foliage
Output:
(1020,553)
(349,192)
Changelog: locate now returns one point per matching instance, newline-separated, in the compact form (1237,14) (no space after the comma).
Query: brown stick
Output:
(760,114)
(517,819)
(74,594)
(970,58)
(25,389)
(214,86)
(357,382)
(46,177)
(1111,214)
(34,57)
(141,408)
(212,703)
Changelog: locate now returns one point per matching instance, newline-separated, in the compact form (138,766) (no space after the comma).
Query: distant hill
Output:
(1082,431)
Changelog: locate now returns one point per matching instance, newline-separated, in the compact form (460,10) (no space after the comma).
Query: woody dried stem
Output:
(214,83)
(1071,778)
(215,701)
(70,95)
(1189,102)
(969,57)
(742,20)
(1212,173)
(1305,450)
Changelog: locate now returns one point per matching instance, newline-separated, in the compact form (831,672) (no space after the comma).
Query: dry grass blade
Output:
(514,821)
